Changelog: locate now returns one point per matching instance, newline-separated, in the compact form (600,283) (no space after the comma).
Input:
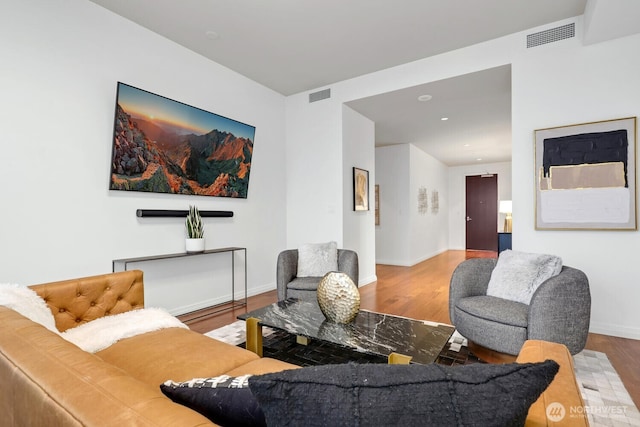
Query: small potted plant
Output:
(195,231)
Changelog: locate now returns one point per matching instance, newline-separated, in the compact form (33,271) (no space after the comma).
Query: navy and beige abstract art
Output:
(586,176)
(164,146)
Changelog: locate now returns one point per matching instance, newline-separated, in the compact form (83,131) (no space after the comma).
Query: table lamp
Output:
(505,208)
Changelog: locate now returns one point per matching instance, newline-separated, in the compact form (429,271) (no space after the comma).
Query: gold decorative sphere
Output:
(338,297)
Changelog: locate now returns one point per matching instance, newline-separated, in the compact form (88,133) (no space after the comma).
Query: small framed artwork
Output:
(585,176)
(360,189)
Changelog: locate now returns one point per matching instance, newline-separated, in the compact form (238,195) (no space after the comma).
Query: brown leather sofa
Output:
(49,381)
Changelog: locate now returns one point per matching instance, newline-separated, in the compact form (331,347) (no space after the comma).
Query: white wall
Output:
(314,139)
(429,231)
(314,171)
(405,236)
(393,177)
(557,84)
(457,201)
(319,179)
(358,226)
(569,85)
(61,60)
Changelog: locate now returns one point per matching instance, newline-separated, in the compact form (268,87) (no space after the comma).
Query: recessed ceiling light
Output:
(444,119)
(424,98)
(212,35)
(467,145)
(478,159)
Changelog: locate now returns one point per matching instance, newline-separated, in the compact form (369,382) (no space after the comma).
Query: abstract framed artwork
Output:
(585,176)
(360,189)
(164,146)
(423,201)
(435,202)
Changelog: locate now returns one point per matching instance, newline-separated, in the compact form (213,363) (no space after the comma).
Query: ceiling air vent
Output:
(551,35)
(320,95)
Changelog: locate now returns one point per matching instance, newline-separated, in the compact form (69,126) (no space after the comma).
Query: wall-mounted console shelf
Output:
(163,213)
(123,265)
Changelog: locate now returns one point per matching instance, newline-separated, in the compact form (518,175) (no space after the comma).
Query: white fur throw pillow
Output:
(28,303)
(517,275)
(317,259)
(104,331)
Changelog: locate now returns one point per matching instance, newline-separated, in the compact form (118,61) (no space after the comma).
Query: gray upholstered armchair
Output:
(290,286)
(559,310)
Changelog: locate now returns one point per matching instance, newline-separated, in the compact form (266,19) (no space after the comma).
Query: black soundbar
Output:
(162,213)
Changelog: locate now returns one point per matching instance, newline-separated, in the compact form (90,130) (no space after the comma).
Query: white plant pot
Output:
(194,245)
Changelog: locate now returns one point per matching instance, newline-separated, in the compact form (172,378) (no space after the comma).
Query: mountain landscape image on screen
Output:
(164,146)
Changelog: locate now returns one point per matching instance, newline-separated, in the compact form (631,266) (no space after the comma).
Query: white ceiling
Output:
(477,106)
(294,46)
(297,45)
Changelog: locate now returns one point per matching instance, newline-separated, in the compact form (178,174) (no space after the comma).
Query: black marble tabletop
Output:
(370,332)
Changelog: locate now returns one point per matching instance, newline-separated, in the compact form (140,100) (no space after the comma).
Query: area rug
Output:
(607,402)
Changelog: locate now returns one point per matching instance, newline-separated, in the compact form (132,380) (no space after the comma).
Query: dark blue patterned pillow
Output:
(225,400)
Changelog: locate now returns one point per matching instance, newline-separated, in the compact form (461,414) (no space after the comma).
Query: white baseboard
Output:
(184,309)
(176,311)
(399,263)
(615,330)
(430,255)
(367,280)
(405,263)
(258,290)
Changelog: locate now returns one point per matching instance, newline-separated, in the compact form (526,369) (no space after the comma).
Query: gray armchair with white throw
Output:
(299,271)
(500,304)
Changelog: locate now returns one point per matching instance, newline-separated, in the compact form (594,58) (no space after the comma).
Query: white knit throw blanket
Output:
(105,331)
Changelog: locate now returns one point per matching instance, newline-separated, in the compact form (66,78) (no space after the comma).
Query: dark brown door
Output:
(482,212)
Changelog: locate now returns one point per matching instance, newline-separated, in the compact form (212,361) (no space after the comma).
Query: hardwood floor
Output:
(422,292)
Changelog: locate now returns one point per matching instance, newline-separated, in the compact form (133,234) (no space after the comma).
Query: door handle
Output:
(468,218)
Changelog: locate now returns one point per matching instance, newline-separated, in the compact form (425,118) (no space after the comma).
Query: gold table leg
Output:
(399,359)
(254,335)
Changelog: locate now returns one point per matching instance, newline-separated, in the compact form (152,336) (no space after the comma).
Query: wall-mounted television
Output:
(164,146)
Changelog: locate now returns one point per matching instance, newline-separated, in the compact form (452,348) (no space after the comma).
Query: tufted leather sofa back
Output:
(77,301)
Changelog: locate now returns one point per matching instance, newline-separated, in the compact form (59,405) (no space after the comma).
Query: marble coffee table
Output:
(401,339)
